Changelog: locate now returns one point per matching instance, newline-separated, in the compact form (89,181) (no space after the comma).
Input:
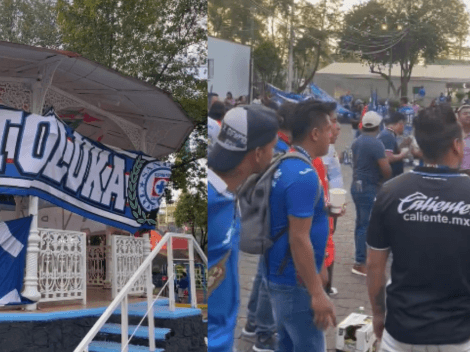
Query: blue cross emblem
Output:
(160,186)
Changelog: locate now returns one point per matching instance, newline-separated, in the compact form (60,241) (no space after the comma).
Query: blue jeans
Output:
(295,327)
(260,310)
(363,197)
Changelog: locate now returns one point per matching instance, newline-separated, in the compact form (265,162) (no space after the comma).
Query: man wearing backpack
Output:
(244,146)
(297,208)
(260,320)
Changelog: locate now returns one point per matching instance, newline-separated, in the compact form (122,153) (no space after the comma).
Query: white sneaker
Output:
(333,292)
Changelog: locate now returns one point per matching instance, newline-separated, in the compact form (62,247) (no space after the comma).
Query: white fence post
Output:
(150,317)
(31,277)
(125,323)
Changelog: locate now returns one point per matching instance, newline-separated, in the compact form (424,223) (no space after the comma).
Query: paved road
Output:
(352,291)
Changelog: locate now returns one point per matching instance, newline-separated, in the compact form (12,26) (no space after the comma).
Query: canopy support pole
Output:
(39,88)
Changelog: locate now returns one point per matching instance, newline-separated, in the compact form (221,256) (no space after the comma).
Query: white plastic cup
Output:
(337,199)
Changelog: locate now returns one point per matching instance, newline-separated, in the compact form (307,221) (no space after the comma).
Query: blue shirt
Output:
(183,283)
(410,115)
(296,191)
(367,150)
(223,239)
(389,141)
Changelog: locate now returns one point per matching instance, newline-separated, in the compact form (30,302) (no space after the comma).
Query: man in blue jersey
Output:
(302,307)
(260,319)
(409,113)
(244,146)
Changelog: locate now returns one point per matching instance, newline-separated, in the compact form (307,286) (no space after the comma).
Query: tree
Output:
(238,21)
(267,62)
(316,25)
(191,209)
(30,22)
(400,31)
(161,42)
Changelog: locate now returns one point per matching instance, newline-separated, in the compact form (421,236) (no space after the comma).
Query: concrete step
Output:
(105,346)
(142,332)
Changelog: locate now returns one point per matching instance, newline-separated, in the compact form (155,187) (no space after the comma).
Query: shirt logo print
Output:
(306,171)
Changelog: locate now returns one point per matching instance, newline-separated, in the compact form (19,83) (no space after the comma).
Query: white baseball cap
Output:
(371,119)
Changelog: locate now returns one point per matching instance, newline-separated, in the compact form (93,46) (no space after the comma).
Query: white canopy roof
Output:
(101,103)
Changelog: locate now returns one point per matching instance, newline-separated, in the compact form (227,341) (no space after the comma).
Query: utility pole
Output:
(291,53)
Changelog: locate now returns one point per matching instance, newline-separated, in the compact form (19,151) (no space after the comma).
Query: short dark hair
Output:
(310,114)
(184,274)
(285,114)
(395,117)
(436,128)
(217,111)
(404,100)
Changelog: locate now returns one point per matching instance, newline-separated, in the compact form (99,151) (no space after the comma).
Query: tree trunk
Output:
(404,86)
(387,78)
(310,78)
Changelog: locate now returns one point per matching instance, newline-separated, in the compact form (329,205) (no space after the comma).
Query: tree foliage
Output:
(267,62)
(162,42)
(266,24)
(403,32)
(30,22)
(191,209)
(317,24)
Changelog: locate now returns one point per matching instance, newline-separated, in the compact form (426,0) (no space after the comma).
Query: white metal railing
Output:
(62,265)
(146,268)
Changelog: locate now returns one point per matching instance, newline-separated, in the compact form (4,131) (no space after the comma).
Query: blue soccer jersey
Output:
(281,147)
(296,191)
(410,115)
(223,240)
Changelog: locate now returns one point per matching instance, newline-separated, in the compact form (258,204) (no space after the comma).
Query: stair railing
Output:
(146,268)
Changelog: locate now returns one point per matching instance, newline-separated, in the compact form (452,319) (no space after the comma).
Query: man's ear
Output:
(314,134)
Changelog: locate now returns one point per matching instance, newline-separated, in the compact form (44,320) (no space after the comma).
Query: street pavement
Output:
(352,290)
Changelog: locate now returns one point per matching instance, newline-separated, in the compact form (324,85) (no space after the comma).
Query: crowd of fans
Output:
(419,216)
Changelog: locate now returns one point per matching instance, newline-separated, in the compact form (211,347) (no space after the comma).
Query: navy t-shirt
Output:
(296,191)
(367,150)
(389,141)
(223,240)
(423,218)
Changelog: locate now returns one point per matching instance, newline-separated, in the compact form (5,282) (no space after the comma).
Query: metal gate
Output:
(128,255)
(96,260)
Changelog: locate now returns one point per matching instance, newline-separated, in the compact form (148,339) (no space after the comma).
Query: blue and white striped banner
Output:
(41,156)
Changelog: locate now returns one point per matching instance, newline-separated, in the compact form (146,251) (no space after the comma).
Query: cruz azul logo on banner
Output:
(41,156)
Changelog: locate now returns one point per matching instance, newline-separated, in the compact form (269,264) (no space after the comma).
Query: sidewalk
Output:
(352,290)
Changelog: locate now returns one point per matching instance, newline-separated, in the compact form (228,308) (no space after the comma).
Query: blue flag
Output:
(13,243)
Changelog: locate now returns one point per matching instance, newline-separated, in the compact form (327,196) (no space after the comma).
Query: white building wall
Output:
(231,67)
(360,86)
